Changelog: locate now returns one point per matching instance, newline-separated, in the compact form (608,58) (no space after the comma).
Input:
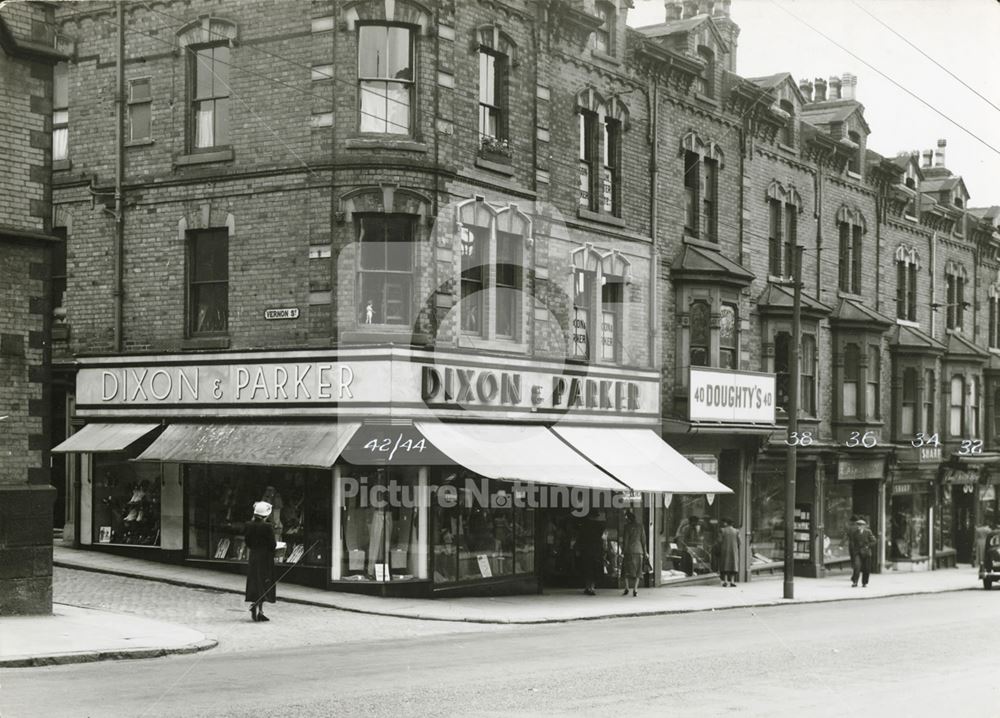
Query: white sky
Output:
(962,35)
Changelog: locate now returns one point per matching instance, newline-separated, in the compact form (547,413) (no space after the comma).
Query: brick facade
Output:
(26,58)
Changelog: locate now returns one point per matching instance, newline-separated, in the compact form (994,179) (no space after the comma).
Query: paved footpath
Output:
(114,607)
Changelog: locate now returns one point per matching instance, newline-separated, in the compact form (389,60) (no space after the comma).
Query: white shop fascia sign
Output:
(368,383)
(737,397)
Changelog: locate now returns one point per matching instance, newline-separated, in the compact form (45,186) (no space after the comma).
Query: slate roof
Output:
(914,339)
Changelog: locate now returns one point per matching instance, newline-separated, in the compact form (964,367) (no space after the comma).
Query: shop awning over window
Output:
(306,445)
(105,437)
(641,460)
(515,453)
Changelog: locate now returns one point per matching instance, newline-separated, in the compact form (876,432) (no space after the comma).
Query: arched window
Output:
(907,263)
(851,226)
(706,80)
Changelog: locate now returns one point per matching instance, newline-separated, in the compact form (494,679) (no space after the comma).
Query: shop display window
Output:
(767,544)
(484,535)
(838,508)
(126,501)
(379,543)
(687,549)
(908,527)
(944,530)
(220,501)
(563,561)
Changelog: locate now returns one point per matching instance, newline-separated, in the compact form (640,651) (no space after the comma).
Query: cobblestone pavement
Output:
(224,616)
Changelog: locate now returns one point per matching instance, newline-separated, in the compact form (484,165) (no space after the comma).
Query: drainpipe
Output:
(818,214)
(879,209)
(119,255)
(654,178)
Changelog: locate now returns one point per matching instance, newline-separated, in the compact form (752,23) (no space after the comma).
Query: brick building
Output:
(27,54)
(533,218)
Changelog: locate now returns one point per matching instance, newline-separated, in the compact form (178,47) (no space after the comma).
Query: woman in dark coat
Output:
(729,553)
(634,552)
(260,567)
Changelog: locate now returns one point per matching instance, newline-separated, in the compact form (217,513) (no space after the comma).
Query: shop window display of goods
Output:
(126,501)
(220,503)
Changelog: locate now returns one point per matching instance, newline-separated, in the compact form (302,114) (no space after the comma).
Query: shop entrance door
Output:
(564,553)
(963,501)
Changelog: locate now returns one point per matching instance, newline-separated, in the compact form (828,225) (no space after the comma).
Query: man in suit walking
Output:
(861,543)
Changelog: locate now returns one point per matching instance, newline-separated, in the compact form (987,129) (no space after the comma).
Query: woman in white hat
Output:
(260,541)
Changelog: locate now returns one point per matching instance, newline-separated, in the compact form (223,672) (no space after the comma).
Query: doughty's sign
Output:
(731,396)
(387,383)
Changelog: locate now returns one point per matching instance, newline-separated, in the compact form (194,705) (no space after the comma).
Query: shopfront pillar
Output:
(172,508)
(86,499)
(423,519)
(337,550)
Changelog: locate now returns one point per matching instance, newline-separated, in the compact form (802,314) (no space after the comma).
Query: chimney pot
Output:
(848,86)
(819,85)
(705,7)
(675,10)
(806,87)
(834,88)
(690,9)
(939,153)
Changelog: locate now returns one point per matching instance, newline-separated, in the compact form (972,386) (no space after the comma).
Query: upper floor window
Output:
(852,380)
(59,272)
(908,402)
(599,304)
(705,83)
(385,268)
(788,131)
(906,283)
(140,102)
(930,390)
(600,136)
(956,415)
(807,390)
(492,94)
(60,111)
(851,227)
(782,369)
(603,38)
(994,319)
(210,96)
(873,383)
(854,163)
(729,345)
(492,270)
(973,407)
(208,282)
(702,162)
(700,316)
(385,79)
(783,210)
(955,295)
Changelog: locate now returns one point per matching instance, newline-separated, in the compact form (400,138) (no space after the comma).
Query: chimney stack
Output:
(690,9)
(820,90)
(834,88)
(939,153)
(721,8)
(675,9)
(806,88)
(848,86)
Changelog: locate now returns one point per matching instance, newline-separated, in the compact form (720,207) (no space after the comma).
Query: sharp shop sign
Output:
(737,397)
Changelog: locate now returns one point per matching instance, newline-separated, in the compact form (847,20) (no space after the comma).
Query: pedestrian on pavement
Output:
(729,553)
(259,536)
(633,552)
(861,542)
(590,545)
(690,536)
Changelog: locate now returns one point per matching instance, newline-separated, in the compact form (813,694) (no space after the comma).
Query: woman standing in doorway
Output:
(634,551)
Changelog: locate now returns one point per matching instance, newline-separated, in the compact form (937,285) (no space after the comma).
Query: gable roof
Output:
(772,81)
(960,347)
(851,311)
(678,27)
(823,113)
(938,184)
(694,262)
(779,299)
(911,340)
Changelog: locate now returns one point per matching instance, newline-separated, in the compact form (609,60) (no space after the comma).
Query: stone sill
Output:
(853,175)
(504,169)
(907,323)
(201,158)
(60,165)
(205,343)
(140,143)
(707,100)
(610,59)
(600,217)
(698,242)
(788,148)
(383,334)
(385,143)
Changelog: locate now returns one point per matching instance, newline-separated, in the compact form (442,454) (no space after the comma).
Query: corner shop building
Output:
(393,471)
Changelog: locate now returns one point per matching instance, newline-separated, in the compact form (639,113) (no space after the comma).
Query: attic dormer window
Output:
(911,183)
(705,84)
(854,164)
(603,38)
(788,131)
(957,201)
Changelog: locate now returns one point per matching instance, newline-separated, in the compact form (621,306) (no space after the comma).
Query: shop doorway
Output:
(963,499)
(563,555)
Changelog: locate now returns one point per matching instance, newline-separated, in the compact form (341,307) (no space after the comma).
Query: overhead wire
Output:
(909,92)
(916,47)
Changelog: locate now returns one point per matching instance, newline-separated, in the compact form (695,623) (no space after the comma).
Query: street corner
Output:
(72,634)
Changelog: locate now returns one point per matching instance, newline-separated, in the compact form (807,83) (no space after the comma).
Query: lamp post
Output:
(793,426)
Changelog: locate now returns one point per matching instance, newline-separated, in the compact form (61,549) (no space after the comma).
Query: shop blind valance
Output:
(105,437)
(641,460)
(314,445)
(515,453)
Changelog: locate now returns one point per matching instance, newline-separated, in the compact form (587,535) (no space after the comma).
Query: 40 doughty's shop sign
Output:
(731,396)
(373,384)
